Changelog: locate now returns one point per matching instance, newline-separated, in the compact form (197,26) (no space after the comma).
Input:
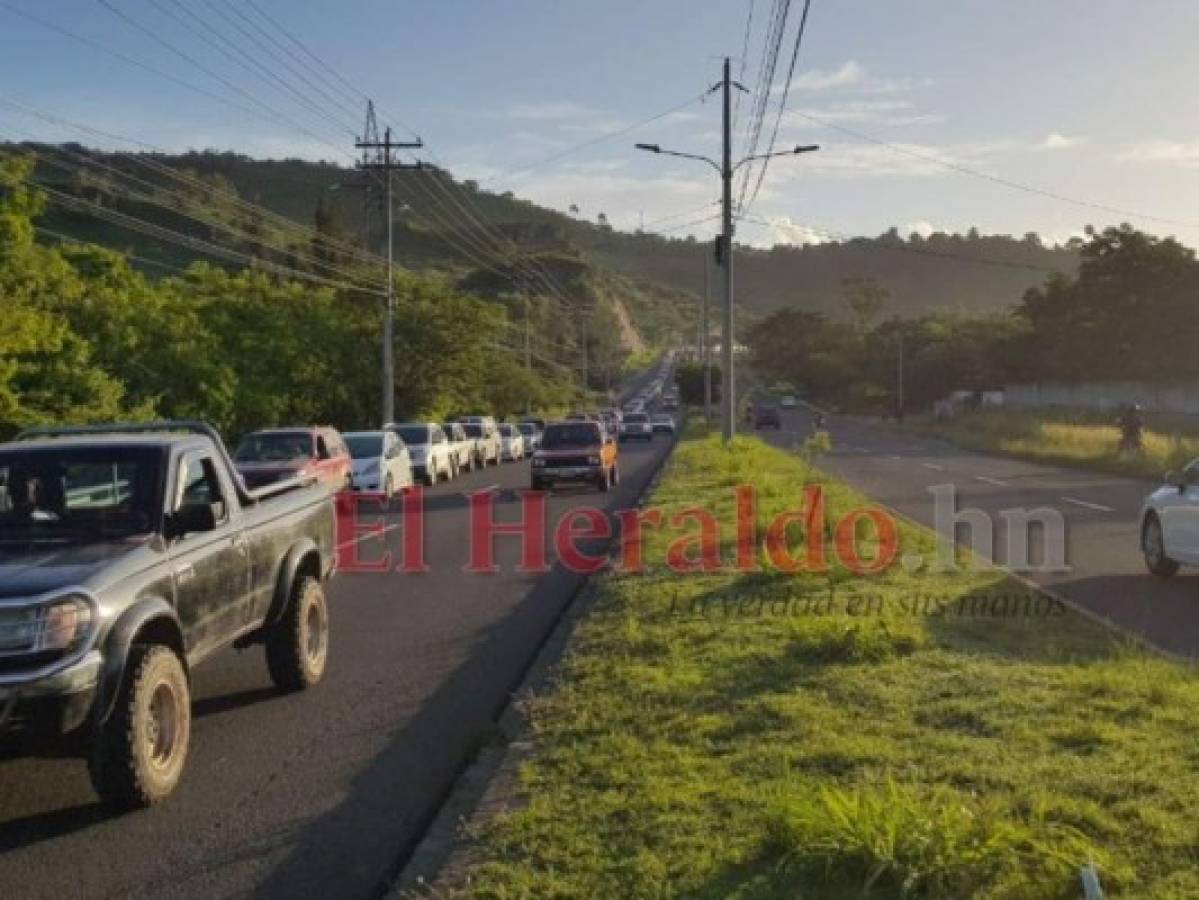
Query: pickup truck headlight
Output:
(593,460)
(538,461)
(63,624)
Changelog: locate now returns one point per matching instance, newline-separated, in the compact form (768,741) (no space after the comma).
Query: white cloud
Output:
(1176,153)
(785,230)
(878,112)
(1055,140)
(853,76)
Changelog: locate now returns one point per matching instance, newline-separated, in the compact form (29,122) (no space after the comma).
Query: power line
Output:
(803,21)
(749,22)
(987,176)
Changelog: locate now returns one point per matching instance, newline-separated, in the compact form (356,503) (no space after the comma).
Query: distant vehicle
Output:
(582,417)
(486,436)
(634,406)
(1170,523)
(663,424)
(462,447)
(579,452)
(272,454)
(788,402)
(133,553)
(766,415)
(381,461)
(512,443)
(636,425)
(670,403)
(429,449)
(532,435)
(540,423)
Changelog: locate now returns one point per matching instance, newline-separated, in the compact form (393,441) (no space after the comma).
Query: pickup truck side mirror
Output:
(195,517)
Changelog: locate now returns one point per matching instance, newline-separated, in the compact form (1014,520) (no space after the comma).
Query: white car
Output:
(379,462)
(429,448)
(787,402)
(484,432)
(462,448)
(636,425)
(532,436)
(1170,523)
(512,443)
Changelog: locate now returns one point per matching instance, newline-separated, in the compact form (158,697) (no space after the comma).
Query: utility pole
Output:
(384,160)
(728,400)
(705,356)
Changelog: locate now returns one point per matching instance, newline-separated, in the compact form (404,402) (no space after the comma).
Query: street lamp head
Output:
(807,148)
(652,148)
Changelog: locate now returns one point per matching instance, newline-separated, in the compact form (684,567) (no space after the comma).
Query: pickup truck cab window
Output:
(199,485)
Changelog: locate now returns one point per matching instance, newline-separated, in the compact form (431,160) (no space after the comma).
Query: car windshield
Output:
(79,493)
(570,434)
(364,446)
(413,434)
(472,430)
(275,446)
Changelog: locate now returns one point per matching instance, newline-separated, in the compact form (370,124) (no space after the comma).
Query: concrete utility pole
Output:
(384,160)
(705,353)
(726,170)
(728,399)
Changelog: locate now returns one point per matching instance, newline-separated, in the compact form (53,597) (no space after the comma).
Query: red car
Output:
(271,454)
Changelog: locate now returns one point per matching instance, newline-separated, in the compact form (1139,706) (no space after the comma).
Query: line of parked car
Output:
(385,460)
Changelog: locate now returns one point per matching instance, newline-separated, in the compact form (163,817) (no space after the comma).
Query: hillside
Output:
(657,278)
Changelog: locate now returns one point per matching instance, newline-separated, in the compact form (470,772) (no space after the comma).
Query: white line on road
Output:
(1088,505)
(373,533)
(989,480)
(893,456)
(933,466)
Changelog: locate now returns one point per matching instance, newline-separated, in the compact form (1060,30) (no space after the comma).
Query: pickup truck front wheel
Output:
(297,646)
(138,754)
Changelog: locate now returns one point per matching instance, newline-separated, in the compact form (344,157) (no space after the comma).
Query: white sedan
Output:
(512,443)
(1170,523)
(379,462)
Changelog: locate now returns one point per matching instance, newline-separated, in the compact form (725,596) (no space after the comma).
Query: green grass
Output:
(762,736)
(1071,437)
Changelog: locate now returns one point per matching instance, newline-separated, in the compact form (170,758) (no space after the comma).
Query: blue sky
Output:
(1091,100)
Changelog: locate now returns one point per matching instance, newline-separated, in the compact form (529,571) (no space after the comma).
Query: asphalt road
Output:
(1104,572)
(322,793)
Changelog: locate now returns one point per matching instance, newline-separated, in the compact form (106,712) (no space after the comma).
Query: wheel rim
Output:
(314,643)
(162,725)
(1154,550)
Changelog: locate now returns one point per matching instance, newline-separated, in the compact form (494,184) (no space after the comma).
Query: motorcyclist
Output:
(1131,427)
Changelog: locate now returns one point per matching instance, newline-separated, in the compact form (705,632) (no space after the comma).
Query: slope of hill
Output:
(458,228)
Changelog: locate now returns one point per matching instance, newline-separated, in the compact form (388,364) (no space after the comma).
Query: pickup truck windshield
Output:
(414,434)
(570,434)
(364,446)
(79,493)
(275,446)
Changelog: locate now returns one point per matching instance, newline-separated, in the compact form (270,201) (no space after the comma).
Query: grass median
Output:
(832,735)
(1070,437)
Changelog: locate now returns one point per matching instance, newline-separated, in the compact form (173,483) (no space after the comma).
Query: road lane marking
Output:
(933,466)
(989,480)
(893,456)
(373,533)
(1088,505)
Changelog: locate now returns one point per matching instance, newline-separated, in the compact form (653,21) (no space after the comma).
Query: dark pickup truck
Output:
(128,555)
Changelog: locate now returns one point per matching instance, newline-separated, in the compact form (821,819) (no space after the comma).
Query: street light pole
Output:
(726,170)
(728,400)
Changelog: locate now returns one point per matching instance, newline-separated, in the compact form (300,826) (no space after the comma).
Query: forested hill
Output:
(458,226)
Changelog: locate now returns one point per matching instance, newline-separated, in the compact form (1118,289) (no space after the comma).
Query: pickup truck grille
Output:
(566,462)
(18,630)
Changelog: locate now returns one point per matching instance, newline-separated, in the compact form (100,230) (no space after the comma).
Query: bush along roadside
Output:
(839,734)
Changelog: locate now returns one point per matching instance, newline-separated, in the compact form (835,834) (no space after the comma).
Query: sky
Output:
(1092,102)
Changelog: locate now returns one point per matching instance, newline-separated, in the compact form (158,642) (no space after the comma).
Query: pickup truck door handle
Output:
(185,573)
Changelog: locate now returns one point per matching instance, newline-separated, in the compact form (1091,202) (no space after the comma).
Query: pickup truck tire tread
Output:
(138,755)
(297,646)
